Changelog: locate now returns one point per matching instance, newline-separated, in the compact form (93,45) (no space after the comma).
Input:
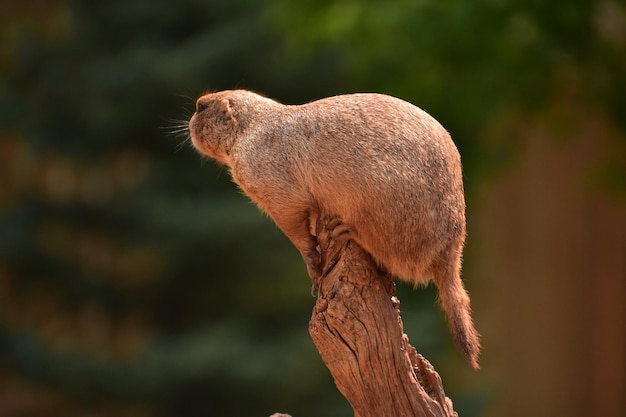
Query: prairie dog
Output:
(388,170)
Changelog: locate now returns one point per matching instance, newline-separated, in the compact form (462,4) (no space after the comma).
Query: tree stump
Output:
(357,329)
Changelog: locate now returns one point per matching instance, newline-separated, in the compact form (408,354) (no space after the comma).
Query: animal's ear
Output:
(224,111)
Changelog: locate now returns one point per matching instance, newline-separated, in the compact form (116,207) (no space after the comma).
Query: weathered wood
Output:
(357,328)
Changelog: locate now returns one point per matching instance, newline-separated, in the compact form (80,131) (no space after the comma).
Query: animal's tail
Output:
(456,304)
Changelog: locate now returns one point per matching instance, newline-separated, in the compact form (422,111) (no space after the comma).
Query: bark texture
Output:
(357,328)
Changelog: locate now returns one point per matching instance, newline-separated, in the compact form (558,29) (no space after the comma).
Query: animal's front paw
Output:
(313,262)
(313,265)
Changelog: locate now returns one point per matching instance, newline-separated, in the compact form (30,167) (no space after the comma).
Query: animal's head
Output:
(214,126)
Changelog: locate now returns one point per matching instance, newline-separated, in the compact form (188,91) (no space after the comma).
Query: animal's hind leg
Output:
(340,232)
(456,302)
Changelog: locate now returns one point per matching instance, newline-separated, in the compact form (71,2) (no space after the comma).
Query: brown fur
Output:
(386,168)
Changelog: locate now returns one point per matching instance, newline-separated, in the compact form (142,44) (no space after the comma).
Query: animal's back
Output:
(391,172)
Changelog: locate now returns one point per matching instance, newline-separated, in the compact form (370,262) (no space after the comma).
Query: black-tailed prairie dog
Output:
(388,170)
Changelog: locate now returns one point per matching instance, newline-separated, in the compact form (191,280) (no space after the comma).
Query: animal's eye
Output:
(200,106)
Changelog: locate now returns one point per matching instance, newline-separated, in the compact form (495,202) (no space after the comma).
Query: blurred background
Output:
(135,280)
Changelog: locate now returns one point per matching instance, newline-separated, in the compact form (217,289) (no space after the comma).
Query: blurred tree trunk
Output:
(357,329)
(553,252)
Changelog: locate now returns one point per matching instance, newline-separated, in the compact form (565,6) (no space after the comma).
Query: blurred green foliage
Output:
(468,63)
(134,278)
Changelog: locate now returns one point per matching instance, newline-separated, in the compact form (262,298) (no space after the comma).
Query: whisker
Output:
(186,96)
(177,127)
(185,142)
(175,131)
